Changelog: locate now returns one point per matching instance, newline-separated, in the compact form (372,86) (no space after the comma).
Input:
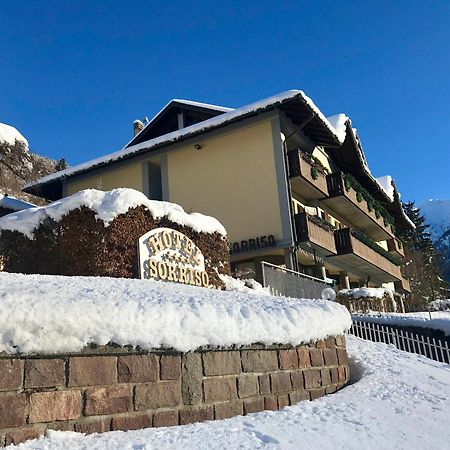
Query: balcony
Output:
(308,178)
(348,204)
(360,258)
(312,230)
(395,247)
(402,285)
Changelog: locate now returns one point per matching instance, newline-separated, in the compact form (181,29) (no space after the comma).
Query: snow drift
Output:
(43,313)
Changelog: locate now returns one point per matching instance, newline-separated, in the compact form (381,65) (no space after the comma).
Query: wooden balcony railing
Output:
(308,179)
(359,257)
(310,229)
(350,205)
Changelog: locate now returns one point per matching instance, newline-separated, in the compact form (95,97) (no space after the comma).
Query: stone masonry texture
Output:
(122,389)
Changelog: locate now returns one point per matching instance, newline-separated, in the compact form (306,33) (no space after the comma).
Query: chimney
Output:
(138,126)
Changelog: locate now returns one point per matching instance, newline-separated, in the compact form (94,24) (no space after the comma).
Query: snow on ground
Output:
(401,401)
(440,320)
(41,313)
(107,205)
(10,135)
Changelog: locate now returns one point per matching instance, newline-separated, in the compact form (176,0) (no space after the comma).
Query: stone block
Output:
(342,356)
(316,357)
(219,389)
(253,405)
(135,422)
(11,374)
(259,360)
(193,414)
(321,344)
(330,357)
(298,396)
(60,426)
(15,437)
(340,341)
(334,373)
(288,359)
(331,389)
(297,380)
(280,382)
(160,394)
(317,393)
(247,385)
(312,378)
(170,367)
(93,426)
(330,342)
(342,374)
(92,370)
(227,410)
(283,401)
(192,378)
(107,400)
(137,368)
(40,373)
(222,363)
(264,384)
(54,405)
(303,357)
(271,403)
(165,419)
(325,376)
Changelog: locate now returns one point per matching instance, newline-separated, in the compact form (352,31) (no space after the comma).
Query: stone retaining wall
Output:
(117,389)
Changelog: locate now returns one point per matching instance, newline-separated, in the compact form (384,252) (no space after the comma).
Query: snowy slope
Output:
(400,401)
(437,215)
(10,135)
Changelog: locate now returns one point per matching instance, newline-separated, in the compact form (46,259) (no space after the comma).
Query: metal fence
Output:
(289,283)
(411,342)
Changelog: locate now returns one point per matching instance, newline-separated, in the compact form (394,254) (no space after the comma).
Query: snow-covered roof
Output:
(205,125)
(385,183)
(10,135)
(107,206)
(339,123)
(13,203)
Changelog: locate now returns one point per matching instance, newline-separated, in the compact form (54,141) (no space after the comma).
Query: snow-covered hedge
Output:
(42,313)
(95,233)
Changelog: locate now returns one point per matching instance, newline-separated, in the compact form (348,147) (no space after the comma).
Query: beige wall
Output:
(129,176)
(232,178)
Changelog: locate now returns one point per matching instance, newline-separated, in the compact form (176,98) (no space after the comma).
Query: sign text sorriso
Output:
(167,254)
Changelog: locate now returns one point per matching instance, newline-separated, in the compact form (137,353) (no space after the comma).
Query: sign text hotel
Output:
(167,254)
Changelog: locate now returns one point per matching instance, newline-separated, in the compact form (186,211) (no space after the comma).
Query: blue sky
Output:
(74,75)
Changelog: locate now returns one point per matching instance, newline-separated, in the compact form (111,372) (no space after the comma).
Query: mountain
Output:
(437,215)
(19,166)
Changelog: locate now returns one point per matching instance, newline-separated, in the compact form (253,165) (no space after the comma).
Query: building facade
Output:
(290,186)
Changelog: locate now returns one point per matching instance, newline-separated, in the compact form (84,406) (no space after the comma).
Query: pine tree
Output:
(421,261)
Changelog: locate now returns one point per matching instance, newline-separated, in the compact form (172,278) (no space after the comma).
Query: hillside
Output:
(437,215)
(18,165)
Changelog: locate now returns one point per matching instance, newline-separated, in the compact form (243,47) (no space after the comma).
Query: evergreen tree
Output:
(61,164)
(421,261)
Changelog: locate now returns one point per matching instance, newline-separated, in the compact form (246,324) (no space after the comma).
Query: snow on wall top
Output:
(385,183)
(10,135)
(178,134)
(107,206)
(41,313)
(339,123)
(13,203)
(367,292)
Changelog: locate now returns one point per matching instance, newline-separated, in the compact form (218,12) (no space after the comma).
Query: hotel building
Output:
(291,187)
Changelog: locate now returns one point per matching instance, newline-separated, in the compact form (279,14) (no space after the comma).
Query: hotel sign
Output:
(166,254)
